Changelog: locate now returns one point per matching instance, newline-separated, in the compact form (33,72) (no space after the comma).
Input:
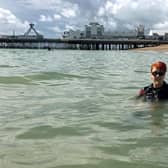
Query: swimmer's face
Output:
(157,75)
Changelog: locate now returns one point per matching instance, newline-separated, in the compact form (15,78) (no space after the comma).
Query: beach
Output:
(160,48)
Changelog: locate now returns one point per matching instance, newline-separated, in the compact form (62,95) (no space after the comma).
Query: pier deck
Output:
(89,44)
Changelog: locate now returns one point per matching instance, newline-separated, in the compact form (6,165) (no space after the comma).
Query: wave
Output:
(14,80)
(139,71)
(8,66)
(55,76)
(43,76)
(49,132)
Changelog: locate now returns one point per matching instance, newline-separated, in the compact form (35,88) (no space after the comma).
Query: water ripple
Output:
(48,132)
(15,80)
(56,76)
(8,66)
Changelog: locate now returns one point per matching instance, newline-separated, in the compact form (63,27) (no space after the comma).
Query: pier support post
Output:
(102,46)
(97,46)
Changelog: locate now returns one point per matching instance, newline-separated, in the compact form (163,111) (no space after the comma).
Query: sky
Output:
(53,17)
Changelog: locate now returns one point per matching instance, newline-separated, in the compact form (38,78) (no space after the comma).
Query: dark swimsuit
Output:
(149,93)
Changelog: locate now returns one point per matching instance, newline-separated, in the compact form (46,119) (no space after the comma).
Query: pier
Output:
(80,44)
(111,44)
(37,41)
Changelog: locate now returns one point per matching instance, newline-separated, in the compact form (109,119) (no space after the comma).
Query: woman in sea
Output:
(158,89)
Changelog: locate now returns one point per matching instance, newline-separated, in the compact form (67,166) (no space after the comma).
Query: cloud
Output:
(129,12)
(40,4)
(57,17)
(10,22)
(66,8)
(44,18)
(70,27)
(55,5)
(69,13)
(113,14)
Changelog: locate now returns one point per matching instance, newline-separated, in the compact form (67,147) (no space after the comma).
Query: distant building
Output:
(155,36)
(122,34)
(158,35)
(140,31)
(73,34)
(166,36)
(94,30)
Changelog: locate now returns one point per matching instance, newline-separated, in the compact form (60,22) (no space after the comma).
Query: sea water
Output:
(77,109)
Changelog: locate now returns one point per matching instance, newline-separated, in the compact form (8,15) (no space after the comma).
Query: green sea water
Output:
(77,109)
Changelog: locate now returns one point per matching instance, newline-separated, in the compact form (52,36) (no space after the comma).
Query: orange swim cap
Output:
(159,65)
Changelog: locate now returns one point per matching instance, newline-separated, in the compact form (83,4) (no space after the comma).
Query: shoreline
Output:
(160,48)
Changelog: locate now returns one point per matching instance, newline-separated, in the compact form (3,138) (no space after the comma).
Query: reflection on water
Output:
(155,113)
(158,117)
(69,109)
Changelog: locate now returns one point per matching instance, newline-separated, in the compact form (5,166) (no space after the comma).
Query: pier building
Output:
(73,34)
(94,30)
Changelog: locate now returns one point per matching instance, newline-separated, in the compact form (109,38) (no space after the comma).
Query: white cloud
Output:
(10,22)
(70,27)
(101,11)
(55,5)
(112,7)
(68,13)
(129,12)
(66,8)
(41,4)
(44,18)
(57,17)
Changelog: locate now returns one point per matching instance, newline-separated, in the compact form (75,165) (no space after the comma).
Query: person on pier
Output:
(158,89)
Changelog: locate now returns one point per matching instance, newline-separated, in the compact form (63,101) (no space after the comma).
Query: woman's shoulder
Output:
(165,86)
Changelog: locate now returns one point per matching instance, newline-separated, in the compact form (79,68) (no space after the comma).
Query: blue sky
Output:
(53,17)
